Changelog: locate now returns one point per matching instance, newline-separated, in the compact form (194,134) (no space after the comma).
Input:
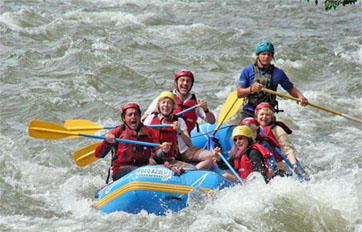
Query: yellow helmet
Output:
(242,131)
(167,94)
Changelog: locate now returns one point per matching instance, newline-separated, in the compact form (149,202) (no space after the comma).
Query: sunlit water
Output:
(85,59)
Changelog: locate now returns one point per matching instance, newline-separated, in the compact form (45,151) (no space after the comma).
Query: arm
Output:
(204,112)
(152,108)
(296,93)
(245,86)
(182,132)
(286,145)
(102,149)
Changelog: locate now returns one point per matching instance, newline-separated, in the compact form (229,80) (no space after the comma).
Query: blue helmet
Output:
(264,46)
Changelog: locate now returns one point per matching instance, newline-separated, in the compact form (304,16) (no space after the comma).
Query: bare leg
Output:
(204,157)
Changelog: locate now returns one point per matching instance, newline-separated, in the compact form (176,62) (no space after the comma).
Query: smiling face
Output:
(132,118)
(264,117)
(166,106)
(241,142)
(265,58)
(183,84)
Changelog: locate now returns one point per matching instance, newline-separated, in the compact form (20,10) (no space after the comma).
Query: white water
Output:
(85,59)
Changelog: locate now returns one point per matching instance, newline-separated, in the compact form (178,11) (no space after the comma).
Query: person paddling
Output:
(279,131)
(183,83)
(126,157)
(178,132)
(250,157)
(266,141)
(263,74)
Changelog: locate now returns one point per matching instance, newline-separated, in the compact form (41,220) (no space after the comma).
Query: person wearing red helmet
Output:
(278,131)
(262,74)
(126,156)
(183,83)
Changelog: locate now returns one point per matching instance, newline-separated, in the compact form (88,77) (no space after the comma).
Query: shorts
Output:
(174,162)
(123,171)
(189,153)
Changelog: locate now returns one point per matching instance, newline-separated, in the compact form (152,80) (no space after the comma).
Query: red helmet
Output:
(247,121)
(131,105)
(184,73)
(263,105)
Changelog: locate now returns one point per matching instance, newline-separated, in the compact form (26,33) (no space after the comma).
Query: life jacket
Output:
(269,144)
(242,163)
(189,117)
(132,154)
(166,134)
(270,136)
(255,99)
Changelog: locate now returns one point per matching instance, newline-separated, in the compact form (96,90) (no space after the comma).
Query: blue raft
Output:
(156,189)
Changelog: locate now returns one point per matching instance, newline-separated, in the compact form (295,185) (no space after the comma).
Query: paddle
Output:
(284,157)
(88,127)
(86,155)
(50,130)
(231,168)
(316,106)
(230,107)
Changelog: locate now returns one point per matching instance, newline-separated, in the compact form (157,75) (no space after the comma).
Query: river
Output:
(85,59)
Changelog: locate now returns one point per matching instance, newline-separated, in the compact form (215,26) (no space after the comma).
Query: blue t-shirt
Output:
(278,77)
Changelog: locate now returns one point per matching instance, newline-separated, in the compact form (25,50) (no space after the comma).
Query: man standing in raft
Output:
(262,74)
(183,82)
(127,157)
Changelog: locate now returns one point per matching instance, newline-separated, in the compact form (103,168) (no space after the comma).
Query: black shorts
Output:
(123,171)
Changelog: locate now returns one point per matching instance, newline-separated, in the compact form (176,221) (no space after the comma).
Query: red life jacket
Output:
(166,134)
(132,154)
(270,135)
(189,117)
(243,165)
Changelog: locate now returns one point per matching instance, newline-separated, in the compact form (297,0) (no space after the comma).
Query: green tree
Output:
(329,4)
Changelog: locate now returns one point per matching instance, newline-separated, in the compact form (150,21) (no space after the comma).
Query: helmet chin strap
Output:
(263,66)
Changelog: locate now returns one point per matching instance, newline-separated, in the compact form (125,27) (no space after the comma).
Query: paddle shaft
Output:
(122,140)
(283,156)
(231,168)
(187,110)
(314,105)
(227,113)
(77,128)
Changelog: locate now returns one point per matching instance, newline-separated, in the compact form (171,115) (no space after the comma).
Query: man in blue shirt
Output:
(264,74)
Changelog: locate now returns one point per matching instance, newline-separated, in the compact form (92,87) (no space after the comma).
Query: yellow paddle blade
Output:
(48,130)
(230,107)
(86,155)
(82,126)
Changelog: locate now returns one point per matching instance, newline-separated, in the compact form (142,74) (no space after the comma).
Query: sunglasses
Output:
(238,138)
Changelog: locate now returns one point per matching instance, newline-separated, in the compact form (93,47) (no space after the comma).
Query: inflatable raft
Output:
(156,189)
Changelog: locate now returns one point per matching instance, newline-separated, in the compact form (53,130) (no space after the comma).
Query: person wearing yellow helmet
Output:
(250,156)
(183,82)
(165,106)
(263,74)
